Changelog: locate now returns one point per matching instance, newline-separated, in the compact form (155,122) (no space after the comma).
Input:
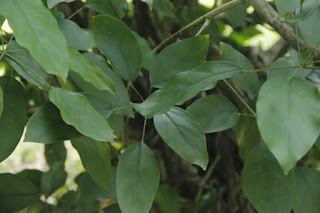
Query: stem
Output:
(298,43)
(243,114)
(4,51)
(75,13)
(140,96)
(199,20)
(121,108)
(204,26)
(2,38)
(144,129)
(239,96)
(271,68)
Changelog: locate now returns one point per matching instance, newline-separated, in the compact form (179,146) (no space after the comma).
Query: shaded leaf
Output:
(283,6)
(101,104)
(116,8)
(307,30)
(149,2)
(116,123)
(53,179)
(207,201)
(52,3)
(147,55)
(55,153)
(76,110)
(237,15)
(167,200)
(34,176)
(307,8)
(138,179)
(184,135)
(288,125)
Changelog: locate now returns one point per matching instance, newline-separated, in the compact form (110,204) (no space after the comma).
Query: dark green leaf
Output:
(149,2)
(112,209)
(52,3)
(167,200)
(165,7)
(16,192)
(101,104)
(1,101)
(249,82)
(37,30)
(237,15)
(138,179)
(46,126)
(116,8)
(34,176)
(214,113)
(53,179)
(24,64)
(177,58)
(116,123)
(76,110)
(207,202)
(288,119)
(96,159)
(318,143)
(2,19)
(264,183)
(147,55)
(89,71)
(67,200)
(119,45)
(307,191)
(184,135)
(55,153)
(76,37)
(183,86)
(13,117)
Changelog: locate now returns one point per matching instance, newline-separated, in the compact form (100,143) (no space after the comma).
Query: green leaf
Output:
(165,7)
(167,200)
(214,113)
(249,82)
(53,179)
(264,183)
(178,58)
(116,8)
(307,190)
(76,37)
(76,110)
(53,3)
(237,15)
(318,143)
(288,125)
(149,2)
(207,201)
(283,6)
(2,19)
(37,30)
(307,8)
(138,177)
(183,86)
(119,45)
(89,71)
(99,103)
(307,30)
(16,192)
(116,123)
(96,159)
(112,209)
(1,101)
(25,65)
(184,135)
(13,117)
(46,126)
(34,176)
(55,153)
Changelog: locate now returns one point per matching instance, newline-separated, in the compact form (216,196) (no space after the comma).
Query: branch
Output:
(271,16)
(199,20)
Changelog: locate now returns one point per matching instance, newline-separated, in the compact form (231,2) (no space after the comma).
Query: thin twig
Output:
(75,13)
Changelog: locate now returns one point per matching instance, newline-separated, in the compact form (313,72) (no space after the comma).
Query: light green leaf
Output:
(53,179)
(214,113)
(25,65)
(288,118)
(307,190)
(36,29)
(118,44)
(16,192)
(264,183)
(53,3)
(96,159)
(307,8)
(76,110)
(101,104)
(55,153)
(307,30)
(89,71)
(183,86)
(249,82)
(76,37)
(178,58)
(46,126)
(167,199)
(184,135)
(283,6)
(13,117)
(116,8)
(138,177)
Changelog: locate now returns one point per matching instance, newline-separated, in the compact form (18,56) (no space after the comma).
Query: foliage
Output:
(93,79)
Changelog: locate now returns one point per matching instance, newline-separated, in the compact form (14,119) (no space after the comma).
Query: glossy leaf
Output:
(76,110)
(183,86)
(13,117)
(117,43)
(89,71)
(264,183)
(116,8)
(76,37)
(16,192)
(25,65)
(46,126)
(53,3)
(288,125)
(53,179)
(307,190)
(37,30)
(249,82)
(55,153)
(183,134)
(178,58)
(167,200)
(96,159)
(214,113)
(146,53)
(138,179)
